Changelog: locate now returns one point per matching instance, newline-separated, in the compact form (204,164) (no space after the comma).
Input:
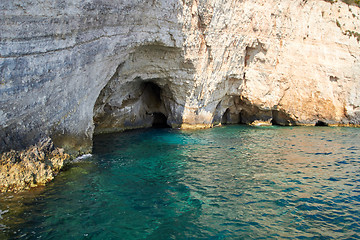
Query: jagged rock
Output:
(35,166)
(71,68)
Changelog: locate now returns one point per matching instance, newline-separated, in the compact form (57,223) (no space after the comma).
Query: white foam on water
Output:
(82,157)
(2,212)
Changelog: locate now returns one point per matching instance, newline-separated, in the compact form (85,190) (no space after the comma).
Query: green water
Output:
(234,182)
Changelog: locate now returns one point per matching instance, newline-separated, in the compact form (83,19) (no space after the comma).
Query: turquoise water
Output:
(233,182)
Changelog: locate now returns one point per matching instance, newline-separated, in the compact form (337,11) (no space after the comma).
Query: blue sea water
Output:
(233,182)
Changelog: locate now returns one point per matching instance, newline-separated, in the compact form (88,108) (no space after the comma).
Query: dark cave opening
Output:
(225,119)
(154,104)
(152,94)
(321,124)
(160,120)
(274,122)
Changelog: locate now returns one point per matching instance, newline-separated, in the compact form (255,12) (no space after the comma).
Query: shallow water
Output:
(233,182)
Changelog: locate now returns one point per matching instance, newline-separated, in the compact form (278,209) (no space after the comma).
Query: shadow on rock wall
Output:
(147,90)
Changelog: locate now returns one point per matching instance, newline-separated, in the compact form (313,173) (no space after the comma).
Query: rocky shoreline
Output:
(37,165)
(80,68)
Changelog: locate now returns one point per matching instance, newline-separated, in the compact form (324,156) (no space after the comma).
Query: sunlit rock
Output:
(35,166)
(70,69)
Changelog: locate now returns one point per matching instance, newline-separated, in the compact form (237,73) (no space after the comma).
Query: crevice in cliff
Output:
(53,50)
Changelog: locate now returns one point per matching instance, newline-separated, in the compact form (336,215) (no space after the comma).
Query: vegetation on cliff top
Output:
(350,2)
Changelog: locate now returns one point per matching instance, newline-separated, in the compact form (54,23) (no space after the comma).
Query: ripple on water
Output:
(234,182)
(2,226)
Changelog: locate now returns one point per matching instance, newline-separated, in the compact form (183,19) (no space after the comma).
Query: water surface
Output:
(233,182)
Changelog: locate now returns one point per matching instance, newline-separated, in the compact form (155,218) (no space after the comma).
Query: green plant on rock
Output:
(350,2)
(353,34)
(338,23)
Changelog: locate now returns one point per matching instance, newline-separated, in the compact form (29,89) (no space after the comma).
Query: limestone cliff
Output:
(72,68)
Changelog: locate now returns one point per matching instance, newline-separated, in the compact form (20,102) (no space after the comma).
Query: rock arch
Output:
(136,104)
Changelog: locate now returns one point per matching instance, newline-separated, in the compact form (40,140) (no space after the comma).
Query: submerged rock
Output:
(39,164)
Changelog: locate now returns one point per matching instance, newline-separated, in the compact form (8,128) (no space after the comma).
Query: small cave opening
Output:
(246,117)
(274,122)
(151,94)
(160,120)
(152,98)
(281,118)
(321,124)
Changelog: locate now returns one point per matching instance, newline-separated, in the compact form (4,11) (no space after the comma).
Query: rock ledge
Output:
(37,165)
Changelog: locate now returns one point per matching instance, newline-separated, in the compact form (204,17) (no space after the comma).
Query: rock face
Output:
(72,68)
(35,166)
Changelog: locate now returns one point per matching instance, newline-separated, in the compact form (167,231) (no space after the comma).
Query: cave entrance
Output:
(132,105)
(152,99)
(321,124)
(160,120)
(151,96)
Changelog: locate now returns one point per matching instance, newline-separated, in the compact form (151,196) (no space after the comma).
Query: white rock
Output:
(292,62)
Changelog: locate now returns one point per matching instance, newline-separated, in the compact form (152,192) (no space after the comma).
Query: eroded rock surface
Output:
(72,68)
(35,166)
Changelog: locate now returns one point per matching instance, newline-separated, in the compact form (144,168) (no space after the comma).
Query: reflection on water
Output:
(234,182)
